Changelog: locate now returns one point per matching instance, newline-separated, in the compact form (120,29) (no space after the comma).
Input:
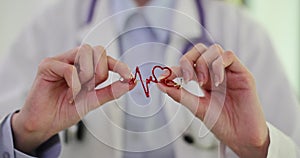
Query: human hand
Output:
(241,124)
(50,105)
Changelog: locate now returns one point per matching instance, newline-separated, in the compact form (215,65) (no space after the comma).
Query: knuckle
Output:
(200,46)
(86,47)
(100,49)
(45,62)
(216,48)
(248,80)
(230,54)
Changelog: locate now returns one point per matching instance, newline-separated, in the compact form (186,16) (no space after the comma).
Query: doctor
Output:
(229,27)
(50,108)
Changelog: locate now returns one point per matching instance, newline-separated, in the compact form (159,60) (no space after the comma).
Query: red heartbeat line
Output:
(153,78)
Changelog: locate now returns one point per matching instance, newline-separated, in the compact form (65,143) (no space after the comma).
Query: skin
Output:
(50,105)
(241,124)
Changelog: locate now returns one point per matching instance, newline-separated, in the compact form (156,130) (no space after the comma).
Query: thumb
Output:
(111,92)
(189,100)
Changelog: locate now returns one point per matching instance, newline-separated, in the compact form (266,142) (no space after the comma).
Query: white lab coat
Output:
(229,26)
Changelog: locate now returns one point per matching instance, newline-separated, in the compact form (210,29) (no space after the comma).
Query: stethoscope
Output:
(187,137)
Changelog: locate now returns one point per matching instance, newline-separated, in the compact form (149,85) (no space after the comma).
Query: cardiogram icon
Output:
(154,79)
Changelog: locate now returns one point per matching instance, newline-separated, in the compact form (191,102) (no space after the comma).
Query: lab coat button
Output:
(5,155)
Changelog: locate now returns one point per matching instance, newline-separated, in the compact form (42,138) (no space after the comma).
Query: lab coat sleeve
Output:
(281,145)
(277,97)
(50,149)
(252,45)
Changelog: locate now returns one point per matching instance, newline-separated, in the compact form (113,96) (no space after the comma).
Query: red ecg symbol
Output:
(153,78)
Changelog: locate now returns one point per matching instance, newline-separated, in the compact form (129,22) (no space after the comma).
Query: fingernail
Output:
(76,83)
(201,79)
(200,83)
(131,76)
(217,82)
(71,101)
(122,80)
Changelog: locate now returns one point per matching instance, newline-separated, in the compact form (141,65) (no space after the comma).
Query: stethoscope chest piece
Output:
(76,131)
(209,142)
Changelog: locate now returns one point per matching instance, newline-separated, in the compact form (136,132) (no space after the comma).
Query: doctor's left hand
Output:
(241,124)
(50,106)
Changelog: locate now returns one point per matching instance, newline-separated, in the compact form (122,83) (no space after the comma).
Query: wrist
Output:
(26,138)
(259,150)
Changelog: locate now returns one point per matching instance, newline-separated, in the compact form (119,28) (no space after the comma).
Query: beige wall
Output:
(14,15)
(281,18)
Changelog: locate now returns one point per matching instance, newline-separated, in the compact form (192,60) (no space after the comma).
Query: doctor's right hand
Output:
(229,86)
(61,82)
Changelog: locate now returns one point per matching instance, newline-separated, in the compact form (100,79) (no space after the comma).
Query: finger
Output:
(111,92)
(204,63)
(54,70)
(191,101)
(213,52)
(176,72)
(119,67)
(232,63)
(202,71)
(84,63)
(218,70)
(100,64)
(188,60)
(68,57)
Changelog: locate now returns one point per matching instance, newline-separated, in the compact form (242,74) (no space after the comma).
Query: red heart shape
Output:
(161,68)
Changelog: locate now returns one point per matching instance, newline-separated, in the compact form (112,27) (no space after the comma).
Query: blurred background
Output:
(279,17)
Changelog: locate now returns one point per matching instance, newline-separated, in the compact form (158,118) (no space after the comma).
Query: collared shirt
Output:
(49,149)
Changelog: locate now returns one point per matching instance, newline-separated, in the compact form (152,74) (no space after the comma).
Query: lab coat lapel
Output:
(185,26)
(101,30)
